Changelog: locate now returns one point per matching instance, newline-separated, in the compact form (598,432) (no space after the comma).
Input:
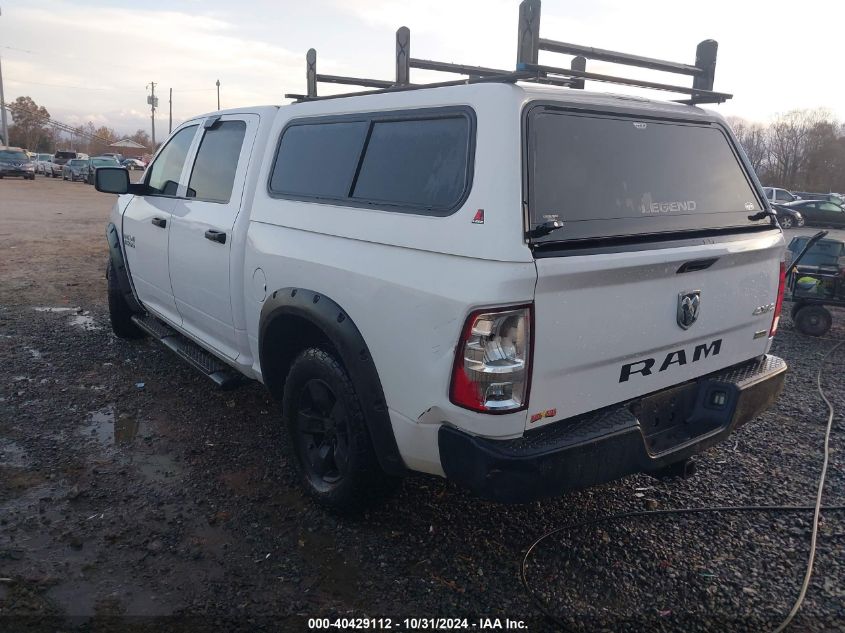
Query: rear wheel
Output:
(329,440)
(813,320)
(120,314)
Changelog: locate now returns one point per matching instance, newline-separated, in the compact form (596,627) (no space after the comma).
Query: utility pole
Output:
(170,117)
(5,129)
(152,100)
(218,94)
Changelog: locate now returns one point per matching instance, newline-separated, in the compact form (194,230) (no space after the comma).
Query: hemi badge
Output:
(760,333)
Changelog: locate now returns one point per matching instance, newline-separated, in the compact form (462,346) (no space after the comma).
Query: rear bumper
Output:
(640,436)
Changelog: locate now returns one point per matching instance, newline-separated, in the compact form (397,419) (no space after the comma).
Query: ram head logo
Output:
(689,305)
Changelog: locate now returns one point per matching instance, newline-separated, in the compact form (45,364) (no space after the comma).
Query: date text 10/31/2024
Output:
(417,624)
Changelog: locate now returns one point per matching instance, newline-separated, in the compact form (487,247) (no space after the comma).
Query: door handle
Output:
(215,236)
(159,222)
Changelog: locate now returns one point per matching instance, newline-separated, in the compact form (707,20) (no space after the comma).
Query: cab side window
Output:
(167,168)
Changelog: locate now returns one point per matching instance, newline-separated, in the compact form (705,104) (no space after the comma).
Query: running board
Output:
(223,376)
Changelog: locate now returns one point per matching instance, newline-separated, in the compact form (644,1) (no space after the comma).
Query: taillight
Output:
(779,302)
(493,361)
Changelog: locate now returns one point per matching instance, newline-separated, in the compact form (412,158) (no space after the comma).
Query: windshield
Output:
(104,162)
(44,157)
(65,155)
(77,163)
(6,154)
(605,176)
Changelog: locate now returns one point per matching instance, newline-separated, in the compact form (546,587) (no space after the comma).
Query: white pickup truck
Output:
(524,288)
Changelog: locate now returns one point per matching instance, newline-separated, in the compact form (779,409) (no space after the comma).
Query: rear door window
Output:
(604,176)
(217,161)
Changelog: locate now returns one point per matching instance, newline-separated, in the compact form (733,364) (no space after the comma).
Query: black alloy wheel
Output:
(322,434)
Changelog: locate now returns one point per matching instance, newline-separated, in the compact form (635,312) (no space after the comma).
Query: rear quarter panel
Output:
(407,281)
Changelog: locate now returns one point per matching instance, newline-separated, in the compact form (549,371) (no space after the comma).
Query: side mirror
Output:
(111,180)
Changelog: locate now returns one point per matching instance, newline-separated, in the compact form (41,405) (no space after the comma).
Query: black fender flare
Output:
(122,282)
(336,325)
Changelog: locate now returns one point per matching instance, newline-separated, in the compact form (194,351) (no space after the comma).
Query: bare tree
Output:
(752,137)
(792,139)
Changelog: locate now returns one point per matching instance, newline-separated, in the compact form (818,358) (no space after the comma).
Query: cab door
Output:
(203,230)
(147,222)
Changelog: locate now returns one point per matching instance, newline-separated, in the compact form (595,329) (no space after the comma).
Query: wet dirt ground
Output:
(133,496)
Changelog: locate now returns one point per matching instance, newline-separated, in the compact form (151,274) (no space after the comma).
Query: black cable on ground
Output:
(816,508)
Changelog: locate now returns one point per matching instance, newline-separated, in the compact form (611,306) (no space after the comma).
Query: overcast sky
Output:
(91,59)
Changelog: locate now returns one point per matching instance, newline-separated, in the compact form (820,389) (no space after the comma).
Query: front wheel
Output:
(120,314)
(786,223)
(328,436)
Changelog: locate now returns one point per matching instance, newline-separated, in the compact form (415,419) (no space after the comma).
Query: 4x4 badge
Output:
(689,305)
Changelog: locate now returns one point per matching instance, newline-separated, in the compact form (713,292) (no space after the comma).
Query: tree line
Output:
(802,150)
(32,128)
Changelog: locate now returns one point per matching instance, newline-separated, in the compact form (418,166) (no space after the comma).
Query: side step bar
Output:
(223,376)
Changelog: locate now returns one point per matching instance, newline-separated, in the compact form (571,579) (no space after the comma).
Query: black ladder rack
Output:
(528,68)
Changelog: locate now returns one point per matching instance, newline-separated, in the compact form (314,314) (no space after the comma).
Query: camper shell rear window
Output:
(616,176)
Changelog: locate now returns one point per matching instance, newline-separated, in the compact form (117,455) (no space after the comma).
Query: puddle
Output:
(52,309)
(12,454)
(338,576)
(159,468)
(84,321)
(113,429)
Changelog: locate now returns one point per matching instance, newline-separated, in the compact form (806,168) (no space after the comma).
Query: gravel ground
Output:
(130,489)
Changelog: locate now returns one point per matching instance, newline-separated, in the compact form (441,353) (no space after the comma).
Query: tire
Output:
(813,320)
(328,439)
(120,315)
(795,308)
(786,222)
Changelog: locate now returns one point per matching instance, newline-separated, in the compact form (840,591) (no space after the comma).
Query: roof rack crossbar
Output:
(354,81)
(618,58)
(461,69)
(528,68)
(697,95)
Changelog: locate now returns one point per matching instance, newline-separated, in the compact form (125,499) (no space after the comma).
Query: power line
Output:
(64,127)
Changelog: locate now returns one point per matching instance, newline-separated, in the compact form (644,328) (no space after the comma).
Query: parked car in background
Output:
(118,157)
(97,162)
(774,194)
(59,160)
(827,197)
(16,162)
(134,163)
(75,169)
(818,212)
(787,216)
(42,164)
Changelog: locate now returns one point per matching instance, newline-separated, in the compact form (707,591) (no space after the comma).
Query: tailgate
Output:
(614,326)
